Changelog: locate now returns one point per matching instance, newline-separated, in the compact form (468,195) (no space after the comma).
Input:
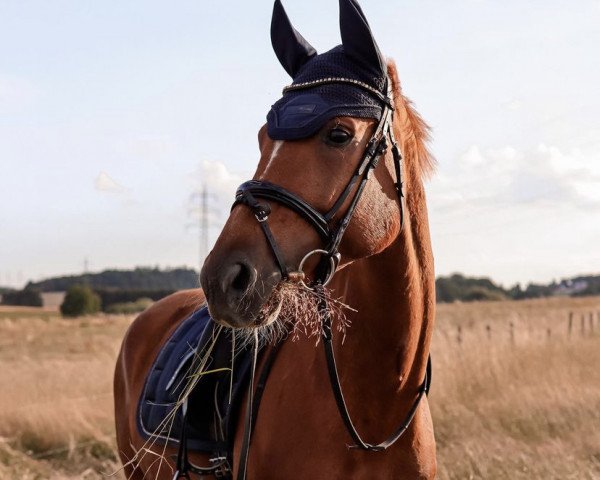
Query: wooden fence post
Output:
(582,324)
(512,333)
(488,329)
(570,324)
(459,334)
(591,323)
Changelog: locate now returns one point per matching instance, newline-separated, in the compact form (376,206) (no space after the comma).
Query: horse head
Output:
(327,190)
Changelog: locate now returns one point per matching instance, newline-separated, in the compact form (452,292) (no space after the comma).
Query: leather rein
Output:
(250,194)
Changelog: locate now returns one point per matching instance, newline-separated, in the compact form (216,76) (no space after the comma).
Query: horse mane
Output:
(415,132)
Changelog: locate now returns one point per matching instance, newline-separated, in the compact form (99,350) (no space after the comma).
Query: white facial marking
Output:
(274,153)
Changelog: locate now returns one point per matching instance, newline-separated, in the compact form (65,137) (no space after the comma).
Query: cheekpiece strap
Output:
(261,212)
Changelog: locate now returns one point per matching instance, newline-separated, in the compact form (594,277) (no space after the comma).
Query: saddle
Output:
(208,418)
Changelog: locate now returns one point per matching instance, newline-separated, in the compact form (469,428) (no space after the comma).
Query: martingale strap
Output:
(245,450)
(339,395)
(253,405)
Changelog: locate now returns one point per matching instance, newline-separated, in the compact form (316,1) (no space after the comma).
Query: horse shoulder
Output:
(151,328)
(141,343)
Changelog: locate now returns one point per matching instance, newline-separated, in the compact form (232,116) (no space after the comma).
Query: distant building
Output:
(52,299)
(570,287)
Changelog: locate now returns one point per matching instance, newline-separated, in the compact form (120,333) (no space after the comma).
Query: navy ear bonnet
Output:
(300,114)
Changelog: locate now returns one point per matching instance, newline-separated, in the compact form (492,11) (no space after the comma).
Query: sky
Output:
(113,114)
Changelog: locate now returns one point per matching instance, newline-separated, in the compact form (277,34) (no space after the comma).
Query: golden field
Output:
(513,397)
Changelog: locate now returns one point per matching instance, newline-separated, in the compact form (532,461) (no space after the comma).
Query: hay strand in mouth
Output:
(301,308)
(294,309)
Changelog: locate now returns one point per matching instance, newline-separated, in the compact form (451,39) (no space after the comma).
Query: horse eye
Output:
(337,136)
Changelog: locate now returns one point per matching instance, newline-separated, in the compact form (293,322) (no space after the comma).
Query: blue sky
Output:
(113,113)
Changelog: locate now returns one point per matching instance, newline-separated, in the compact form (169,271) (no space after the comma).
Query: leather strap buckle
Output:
(261,215)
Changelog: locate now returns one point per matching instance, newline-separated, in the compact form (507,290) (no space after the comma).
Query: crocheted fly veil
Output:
(356,65)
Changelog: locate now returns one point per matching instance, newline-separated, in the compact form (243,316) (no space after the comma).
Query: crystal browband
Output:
(329,80)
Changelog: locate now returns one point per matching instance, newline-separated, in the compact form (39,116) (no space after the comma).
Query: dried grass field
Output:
(514,395)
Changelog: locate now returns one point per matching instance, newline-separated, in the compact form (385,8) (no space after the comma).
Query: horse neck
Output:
(394,295)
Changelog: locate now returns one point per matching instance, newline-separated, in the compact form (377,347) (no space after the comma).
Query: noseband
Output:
(249,193)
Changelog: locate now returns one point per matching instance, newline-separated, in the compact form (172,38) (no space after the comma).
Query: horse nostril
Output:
(238,279)
(242,279)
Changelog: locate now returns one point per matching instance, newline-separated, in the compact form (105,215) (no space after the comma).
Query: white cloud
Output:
(517,214)
(219,180)
(221,185)
(506,176)
(106,184)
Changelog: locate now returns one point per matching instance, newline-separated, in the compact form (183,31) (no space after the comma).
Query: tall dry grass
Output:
(56,417)
(514,396)
(514,405)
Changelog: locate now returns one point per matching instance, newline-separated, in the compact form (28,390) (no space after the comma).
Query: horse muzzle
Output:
(236,290)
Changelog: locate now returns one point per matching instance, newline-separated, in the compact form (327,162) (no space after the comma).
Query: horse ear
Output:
(291,48)
(357,38)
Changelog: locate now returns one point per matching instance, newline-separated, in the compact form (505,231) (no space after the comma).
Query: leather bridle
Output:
(250,192)
(255,194)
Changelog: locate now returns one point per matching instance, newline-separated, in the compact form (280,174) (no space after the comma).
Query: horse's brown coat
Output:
(387,276)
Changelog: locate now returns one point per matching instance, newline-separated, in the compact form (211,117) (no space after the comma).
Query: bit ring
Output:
(334,261)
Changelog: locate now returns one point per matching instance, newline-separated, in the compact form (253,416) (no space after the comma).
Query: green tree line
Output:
(126,286)
(458,287)
(141,278)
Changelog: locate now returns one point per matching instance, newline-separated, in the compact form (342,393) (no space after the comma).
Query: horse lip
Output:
(238,319)
(273,315)
(225,321)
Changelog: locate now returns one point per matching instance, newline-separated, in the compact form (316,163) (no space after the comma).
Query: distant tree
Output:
(593,285)
(534,290)
(457,287)
(139,305)
(80,300)
(516,292)
(141,278)
(447,290)
(111,296)
(476,294)
(28,297)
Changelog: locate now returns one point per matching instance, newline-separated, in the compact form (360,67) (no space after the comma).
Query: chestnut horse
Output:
(384,272)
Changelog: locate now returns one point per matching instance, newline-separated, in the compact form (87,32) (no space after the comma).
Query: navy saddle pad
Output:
(213,404)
